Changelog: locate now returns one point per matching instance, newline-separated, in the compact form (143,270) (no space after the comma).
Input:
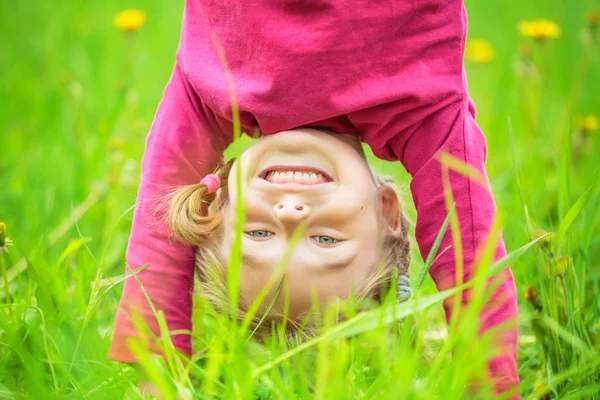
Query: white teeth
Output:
(295,177)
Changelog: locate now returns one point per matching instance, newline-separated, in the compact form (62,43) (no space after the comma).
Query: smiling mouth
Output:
(295,174)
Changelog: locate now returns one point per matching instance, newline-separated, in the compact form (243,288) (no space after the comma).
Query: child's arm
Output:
(463,139)
(184,144)
(449,126)
(435,115)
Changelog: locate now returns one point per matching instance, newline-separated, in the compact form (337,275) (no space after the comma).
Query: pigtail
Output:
(189,215)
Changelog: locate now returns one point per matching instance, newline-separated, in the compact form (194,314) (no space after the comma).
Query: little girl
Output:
(389,72)
(354,233)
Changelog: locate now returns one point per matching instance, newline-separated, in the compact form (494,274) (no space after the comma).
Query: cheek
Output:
(361,221)
(351,206)
(251,283)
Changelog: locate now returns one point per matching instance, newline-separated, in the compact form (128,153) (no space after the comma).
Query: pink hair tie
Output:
(212,182)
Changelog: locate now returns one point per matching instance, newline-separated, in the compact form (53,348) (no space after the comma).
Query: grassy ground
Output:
(78,97)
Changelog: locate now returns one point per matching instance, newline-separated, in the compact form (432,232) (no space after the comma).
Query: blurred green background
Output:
(77,99)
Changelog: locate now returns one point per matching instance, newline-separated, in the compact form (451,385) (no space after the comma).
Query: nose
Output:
(291,210)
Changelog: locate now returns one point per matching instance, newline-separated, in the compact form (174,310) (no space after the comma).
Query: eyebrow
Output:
(253,261)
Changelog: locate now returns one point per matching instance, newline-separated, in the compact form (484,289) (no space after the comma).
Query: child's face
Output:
(323,180)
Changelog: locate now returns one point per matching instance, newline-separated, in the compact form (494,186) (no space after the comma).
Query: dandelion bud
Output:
(115,144)
(561,264)
(525,50)
(2,234)
(532,297)
(593,19)
(4,240)
(530,294)
(547,238)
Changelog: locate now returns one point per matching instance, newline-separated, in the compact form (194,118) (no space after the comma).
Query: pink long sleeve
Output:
(184,144)
(453,129)
(434,114)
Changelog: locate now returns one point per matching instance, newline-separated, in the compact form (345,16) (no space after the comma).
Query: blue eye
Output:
(326,240)
(259,233)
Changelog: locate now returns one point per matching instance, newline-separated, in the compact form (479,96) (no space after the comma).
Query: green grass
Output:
(77,99)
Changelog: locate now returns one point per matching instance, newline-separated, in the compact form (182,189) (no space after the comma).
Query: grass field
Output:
(77,98)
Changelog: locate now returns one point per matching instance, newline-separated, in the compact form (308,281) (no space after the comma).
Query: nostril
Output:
(280,206)
(299,208)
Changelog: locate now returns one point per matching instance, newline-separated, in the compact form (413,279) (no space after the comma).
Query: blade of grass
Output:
(434,249)
(574,212)
(269,306)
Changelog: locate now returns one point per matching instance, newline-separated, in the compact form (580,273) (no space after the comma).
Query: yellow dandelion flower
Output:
(589,123)
(4,240)
(130,20)
(479,51)
(540,29)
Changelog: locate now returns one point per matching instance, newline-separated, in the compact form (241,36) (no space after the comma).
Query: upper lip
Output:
(294,168)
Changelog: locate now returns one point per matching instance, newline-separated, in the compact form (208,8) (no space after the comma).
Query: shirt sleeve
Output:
(184,144)
(434,114)
(453,130)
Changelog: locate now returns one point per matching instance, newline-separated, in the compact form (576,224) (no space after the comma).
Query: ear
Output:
(390,208)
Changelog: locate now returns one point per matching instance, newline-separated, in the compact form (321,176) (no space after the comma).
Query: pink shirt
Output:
(391,72)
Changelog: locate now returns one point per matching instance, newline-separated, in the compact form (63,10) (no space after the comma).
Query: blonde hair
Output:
(196,217)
